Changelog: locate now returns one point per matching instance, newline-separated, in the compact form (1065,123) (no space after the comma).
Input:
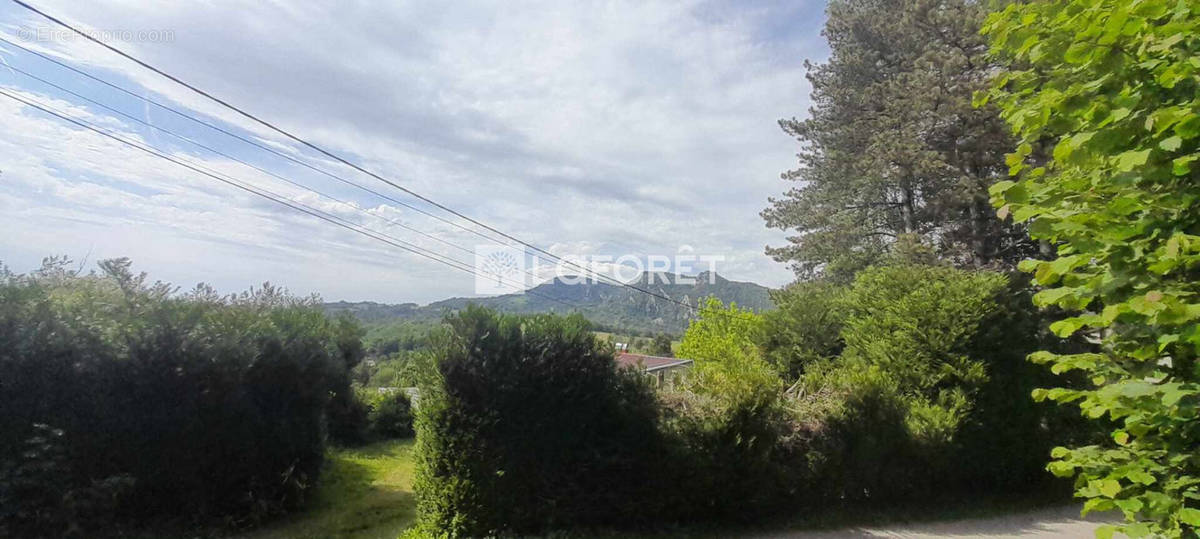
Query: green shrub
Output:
(723,343)
(662,346)
(213,406)
(39,496)
(348,418)
(853,423)
(930,391)
(391,416)
(528,425)
(804,328)
(916,323)
(728,435)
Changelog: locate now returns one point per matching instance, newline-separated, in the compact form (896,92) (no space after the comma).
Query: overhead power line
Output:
(274,197)
(339,158)
(243,162)
(245,140)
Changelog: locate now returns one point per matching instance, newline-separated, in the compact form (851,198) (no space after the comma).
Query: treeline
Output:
(123,401)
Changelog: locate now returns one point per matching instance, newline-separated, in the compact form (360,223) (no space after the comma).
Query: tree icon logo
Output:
(498,269)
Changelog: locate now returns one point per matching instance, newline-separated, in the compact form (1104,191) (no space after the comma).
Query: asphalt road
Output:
(1054,522)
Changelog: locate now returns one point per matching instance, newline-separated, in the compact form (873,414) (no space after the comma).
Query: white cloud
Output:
(615,127)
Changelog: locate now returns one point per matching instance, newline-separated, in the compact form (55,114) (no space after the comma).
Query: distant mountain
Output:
(607,305)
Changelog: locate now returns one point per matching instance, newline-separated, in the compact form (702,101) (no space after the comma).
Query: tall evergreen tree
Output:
(894,147)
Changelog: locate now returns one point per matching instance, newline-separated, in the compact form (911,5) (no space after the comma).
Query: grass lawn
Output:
(365,493)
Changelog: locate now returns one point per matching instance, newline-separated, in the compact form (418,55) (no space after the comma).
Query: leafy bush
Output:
(391,416)
(38,496)
(804,328)
(727,433)
(723,343)
(930,391)
(402,369)
(527,424)
(212,406)
(853,422)
(1111,86)
(662,346)
(349,419)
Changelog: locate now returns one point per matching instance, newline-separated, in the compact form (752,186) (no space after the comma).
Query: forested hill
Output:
(608,305)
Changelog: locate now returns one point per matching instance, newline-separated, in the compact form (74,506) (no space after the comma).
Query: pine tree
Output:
(894,146)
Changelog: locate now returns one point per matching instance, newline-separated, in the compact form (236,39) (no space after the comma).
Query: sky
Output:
(613,129)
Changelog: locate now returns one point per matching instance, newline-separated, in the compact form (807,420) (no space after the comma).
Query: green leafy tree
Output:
(1113,87)
(723,342)
(661,345)
(893,146)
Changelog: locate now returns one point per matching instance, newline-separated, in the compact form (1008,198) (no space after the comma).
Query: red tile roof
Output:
(650,363)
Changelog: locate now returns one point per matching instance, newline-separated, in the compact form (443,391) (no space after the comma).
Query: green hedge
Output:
(528,425)
(194,404)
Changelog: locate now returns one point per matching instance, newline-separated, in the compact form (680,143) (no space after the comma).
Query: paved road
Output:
(1055,522)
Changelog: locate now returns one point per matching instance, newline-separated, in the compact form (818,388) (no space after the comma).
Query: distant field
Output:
(616,337)
(366,493)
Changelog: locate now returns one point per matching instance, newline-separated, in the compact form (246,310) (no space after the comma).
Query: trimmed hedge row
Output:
(191,404)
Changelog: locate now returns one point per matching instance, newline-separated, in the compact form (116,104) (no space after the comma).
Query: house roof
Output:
(650,363)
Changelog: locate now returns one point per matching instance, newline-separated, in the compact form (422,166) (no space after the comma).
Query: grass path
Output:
(366,493)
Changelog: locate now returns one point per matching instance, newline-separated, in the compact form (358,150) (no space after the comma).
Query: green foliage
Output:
(928,396)
(727,459)
(723,343)
(859,446)
(661,346)
(726,427)
(391,416)
(210,405)
(39,496)
(527,424)
(893,146)
(1104,96)
(347,417)
(804,328)
(929,392)
(916,322)
(397,336)
(402,369)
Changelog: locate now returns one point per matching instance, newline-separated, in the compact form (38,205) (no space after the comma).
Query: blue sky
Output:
(584,128)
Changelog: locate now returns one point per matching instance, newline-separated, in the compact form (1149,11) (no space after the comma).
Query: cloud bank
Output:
(583,128)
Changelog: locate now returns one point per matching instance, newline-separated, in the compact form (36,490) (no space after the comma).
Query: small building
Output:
(666,370)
